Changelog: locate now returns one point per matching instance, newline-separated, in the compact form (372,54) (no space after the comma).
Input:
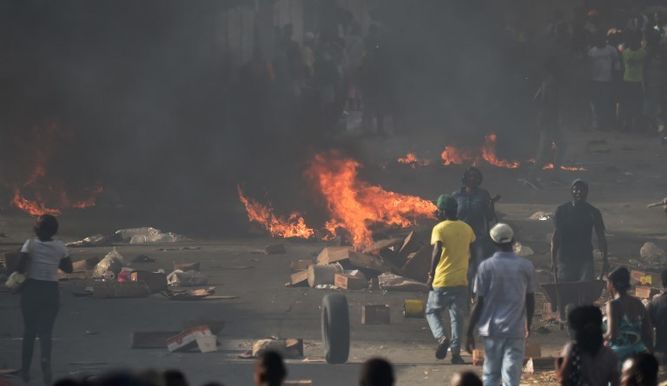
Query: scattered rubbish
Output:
(413,308)
(300,265)
(85,264)
(351,280)
(534,364)
(289,348)
(522,250)
(383,244)
(187,266)
(298,279)
(661,203)
(110,265)
(147,235)
(529,184)
(199,337)
(116,290)
(330,255)
(391,282)
(142,259)
(325,286)
(410,244)
(275,249)
(541,216)
(180,278)
(375,314)
(97,240)
(156,281)
(651,253)
(323,274)
(190,294)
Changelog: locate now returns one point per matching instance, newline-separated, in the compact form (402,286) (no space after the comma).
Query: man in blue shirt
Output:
(505,287)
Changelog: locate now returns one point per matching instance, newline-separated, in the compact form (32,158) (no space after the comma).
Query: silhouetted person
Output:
(586,360)
(41,257)
(640,370)
(657,313)
(628,327)
(548,118)
(174,378)
(632,97)
(377,372)
(270,369)
(466,378)
(571,244)
(604,64)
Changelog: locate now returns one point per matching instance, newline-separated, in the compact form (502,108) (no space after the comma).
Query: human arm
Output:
(65,265)
(611,322)
(530,311)
(474,319)
(435,259)
(564,364)
(602,243)
(555,245)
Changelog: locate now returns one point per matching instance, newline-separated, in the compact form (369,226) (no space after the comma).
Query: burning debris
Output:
(292,227)
(354,205)
(411,160)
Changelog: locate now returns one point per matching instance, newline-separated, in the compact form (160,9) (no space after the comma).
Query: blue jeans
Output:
(456,299)
(503,358)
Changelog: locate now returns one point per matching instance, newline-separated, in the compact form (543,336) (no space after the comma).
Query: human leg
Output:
(512,363)
(493,360)
(47,317)
(458,309)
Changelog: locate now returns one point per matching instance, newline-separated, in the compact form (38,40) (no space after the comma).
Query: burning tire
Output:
(335,328)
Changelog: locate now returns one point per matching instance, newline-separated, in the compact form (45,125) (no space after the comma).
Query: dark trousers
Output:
(602,105)
(39,306)
(632,101)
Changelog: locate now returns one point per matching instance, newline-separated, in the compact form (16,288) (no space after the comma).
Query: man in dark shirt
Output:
(475,208)
(571,244)
(657,313)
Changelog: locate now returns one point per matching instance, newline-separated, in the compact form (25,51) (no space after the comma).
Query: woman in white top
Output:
(41,257)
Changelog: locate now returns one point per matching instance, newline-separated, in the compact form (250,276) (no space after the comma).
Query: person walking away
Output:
(270,369)
(604,63)
(447,279)
(41,257)
(632,100)
(571,243)
(475,208)
(505,288)
(377,372)
(640,370)
(548,119)
(657,314)
(628,326)
(586,360)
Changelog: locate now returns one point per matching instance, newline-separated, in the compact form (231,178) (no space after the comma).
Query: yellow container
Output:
(413,308)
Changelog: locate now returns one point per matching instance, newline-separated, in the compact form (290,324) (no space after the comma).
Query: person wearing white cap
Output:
(505,286)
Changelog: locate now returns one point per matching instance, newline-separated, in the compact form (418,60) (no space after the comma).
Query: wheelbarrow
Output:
(568,294)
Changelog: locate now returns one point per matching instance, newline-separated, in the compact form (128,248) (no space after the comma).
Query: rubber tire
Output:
(335,328)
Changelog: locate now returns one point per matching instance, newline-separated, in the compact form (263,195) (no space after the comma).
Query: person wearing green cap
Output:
(448,278)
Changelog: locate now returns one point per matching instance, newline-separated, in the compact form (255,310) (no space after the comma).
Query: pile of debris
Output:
(399,264)
(143,235)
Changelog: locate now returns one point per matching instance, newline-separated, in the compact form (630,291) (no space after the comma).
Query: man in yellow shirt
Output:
(451,240)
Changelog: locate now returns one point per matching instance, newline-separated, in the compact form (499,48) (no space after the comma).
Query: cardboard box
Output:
(299,278)
(641,278)
(300,265)
(375,314)
(643,292)
(331,255)
(187,339)
(156,281)
(350,282)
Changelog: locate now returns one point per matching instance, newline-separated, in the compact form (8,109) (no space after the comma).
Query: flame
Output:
(456,156)
(489,154)
(41,193)
(412,160)
(294,226)
(354,204)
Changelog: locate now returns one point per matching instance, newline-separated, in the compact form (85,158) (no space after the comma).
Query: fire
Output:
(412,160)
(452,155)
(293,226)
(354,205)
(43,193)
(489,154)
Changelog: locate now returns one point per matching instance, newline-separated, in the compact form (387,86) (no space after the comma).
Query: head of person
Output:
(472,178)
(640,370)
(586,325)
(447,207)
(618,281)
(377,372)
(270,369)
(46,226)
(502,236)
(466,378)
(579,191)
